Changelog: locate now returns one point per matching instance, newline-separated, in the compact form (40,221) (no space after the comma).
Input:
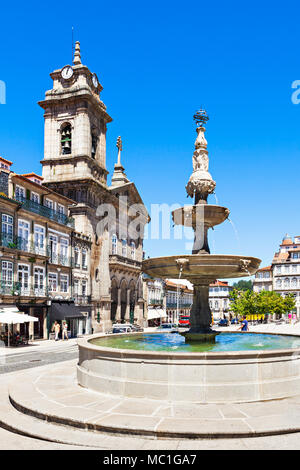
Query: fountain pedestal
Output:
(201,317)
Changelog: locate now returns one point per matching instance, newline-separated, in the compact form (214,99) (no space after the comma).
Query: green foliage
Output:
(265,302)
(243,285)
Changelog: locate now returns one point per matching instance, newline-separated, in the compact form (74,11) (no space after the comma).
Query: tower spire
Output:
(119,177)
(120,148)
(77,55)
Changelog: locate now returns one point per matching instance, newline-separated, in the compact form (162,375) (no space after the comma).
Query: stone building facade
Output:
(74,166)
(36,234)
(283,275)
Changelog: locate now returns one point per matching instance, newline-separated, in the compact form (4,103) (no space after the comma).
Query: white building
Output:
(219,299)
(263,279)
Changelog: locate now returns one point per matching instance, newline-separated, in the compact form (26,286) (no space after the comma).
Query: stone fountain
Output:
(201,268)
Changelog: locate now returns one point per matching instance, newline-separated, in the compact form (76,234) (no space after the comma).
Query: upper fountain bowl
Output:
(191,216)
(202,267)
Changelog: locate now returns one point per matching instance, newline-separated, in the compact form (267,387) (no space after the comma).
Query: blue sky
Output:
(158,63)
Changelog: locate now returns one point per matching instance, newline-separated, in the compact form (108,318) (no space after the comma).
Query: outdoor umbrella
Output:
(12,316)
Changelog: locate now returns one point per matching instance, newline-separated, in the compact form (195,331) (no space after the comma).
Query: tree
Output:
(243,302)
(262,303)
(243,285)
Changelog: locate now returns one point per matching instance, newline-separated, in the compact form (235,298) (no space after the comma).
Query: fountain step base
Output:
(200,335)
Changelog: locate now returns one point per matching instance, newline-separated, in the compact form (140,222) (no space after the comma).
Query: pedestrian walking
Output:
(244,326)
(65,331)
(56,329)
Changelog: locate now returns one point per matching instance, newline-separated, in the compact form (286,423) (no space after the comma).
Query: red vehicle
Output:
(184,320)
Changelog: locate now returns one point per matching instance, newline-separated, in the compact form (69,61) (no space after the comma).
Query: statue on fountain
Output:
(201,268)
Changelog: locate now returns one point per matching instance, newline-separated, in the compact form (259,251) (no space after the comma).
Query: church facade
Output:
(74,166)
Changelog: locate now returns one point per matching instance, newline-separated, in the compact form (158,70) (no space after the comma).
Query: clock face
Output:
(67,72)
(95,80)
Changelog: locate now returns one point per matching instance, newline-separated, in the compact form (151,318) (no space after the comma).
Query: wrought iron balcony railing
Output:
(10,288)
(45,211)
(55,258)
(23,244)
(82,299)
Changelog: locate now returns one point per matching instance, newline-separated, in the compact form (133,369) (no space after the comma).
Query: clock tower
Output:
(75,126)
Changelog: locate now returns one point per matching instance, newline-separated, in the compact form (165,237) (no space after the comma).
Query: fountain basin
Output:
(201,266)
(209,214)
(190,377)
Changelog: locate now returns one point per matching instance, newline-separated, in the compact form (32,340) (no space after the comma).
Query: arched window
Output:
(124,247)
(294,282)
(114,246)
(94,144)
(278,283)
(66,139)
(132,250)
(286,282)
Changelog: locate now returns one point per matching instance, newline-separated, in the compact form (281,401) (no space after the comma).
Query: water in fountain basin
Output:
(176,343)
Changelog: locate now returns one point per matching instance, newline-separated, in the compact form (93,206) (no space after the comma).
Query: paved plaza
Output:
(42,407)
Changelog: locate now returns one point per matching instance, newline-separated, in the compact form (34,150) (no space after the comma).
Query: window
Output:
(278,269)
(94,145)
(83,287)
(64,283)
(76,286)
(23,277)
(66,139)
(52,282)
(114,241)
(35,197)
(64,245)
(286,282)
(76,257)
(7,226)
(23,234)
(49,204)
(7,273)
(39,281)
(278,283)
(60,209)
(124,248)
(20,193)
(132,250)
(39,239)
(53,248)
(84,259)
(294,282)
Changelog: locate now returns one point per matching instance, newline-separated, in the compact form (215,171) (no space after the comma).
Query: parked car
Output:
(168,327)
(223,322)
(234,321)
(121,328)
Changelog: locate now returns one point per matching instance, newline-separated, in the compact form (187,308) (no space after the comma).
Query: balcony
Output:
(45,211)
(156,301)
(22,244)
(117,261)
(82,299)
(12,288)
(61,260)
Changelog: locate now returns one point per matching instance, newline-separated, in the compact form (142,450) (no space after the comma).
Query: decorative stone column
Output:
(127,312)
(118,313)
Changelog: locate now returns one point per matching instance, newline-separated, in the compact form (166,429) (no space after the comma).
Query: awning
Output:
(156,313)
(63,310)
(12,316)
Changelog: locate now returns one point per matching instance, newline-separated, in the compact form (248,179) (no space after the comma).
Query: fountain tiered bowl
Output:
(203,267)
